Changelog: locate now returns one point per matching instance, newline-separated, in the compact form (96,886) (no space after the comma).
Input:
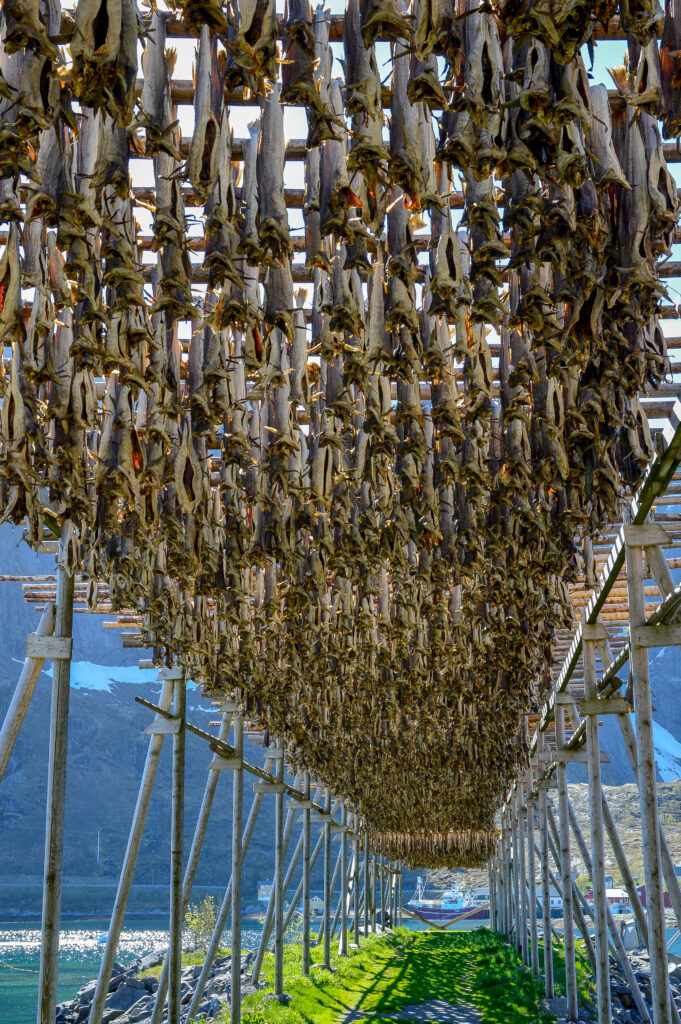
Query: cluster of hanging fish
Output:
(466,849)
(328,501)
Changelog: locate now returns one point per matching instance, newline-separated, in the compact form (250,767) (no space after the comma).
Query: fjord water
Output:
(78,961)
(80,956)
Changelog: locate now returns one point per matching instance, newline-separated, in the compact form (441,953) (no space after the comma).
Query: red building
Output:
(641,890)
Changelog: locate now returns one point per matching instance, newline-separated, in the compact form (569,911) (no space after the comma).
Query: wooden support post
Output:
(328,892)
(192,864)
(225,906)
(299,889)
(625,871)
(56,799)
(269,916)
(516,873)
(379,876)
(129,863)
(545,888)
(237,866)
(21,698)
(355,884)
(399,895)
(279,880)
(532,877)
(336,873)
(510,897)
(645,756)
(522,873)
(609,925)
(374,882)
(668,870)
(367,889)
(578,915)
(600,903)
(176,855)
(566,873)
(343,945)
(306,876)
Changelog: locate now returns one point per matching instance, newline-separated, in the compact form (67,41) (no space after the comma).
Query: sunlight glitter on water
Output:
(76,942)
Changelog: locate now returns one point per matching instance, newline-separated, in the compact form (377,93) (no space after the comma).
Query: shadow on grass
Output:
(478,969)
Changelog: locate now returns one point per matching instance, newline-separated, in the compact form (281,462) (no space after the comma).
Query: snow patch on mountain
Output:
(667,754)
(86,675)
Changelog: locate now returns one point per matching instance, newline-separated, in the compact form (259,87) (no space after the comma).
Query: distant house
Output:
(618,899)
(555,899)
(264,891)
(316,905)
(641,890)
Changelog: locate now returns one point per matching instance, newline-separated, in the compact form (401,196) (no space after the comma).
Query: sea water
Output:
(79,958)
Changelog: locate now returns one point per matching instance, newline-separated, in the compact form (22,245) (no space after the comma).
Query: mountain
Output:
(106,756)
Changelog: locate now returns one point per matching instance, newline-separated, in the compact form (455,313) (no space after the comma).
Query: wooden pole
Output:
(600,903)
(328,892)
(21,698)
(129,862)
(577,910)
(299,889)
(610,925)
(545,887)
(269,916)
(625,871)
(176,852)
(306,875)
(566,873)
(279,878)
(355,886)
(375,883)
(367,890)
(225,906)
(668,870)
(516,872)
(343,945)
(522,872)
(399,895)
(56,797)
(332,924)
(237,865)
(190,869)
(532,875)
(645,755)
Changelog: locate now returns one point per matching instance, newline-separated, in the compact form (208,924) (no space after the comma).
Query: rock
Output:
(192,972)
(150,960)
(214,1006)
(125,996)
(86,992)
(150,982)
(138,1011)
(222,961)
(285,999)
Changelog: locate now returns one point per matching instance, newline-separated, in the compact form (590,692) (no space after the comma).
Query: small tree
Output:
(199,923)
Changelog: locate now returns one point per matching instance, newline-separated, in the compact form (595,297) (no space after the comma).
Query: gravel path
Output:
(436,1011)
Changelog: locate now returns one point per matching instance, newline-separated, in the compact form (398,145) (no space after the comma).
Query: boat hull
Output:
(438,915)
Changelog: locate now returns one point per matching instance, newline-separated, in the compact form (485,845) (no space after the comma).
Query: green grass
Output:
(401,969)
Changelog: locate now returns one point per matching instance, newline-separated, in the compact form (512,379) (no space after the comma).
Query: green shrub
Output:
(254,1017)
(200,921)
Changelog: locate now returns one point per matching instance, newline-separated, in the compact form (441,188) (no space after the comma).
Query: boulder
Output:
(138,1011)
(86,992)
(150,960)
(125,996)
(284,998)
(150,982)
